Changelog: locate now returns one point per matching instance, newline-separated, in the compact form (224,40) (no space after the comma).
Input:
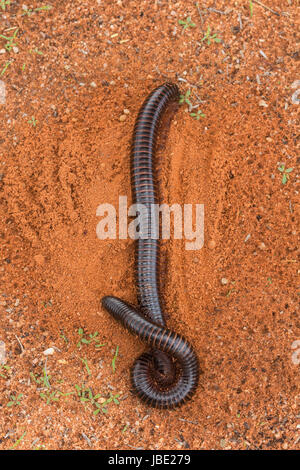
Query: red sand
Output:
(54,175)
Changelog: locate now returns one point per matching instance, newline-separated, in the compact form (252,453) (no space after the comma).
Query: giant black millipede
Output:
(167,375)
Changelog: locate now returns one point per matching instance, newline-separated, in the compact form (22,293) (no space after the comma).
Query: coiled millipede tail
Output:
(167,375)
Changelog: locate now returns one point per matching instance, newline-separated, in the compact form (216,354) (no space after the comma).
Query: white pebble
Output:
(48,352)
(263,104)
(2,353)
(2,92)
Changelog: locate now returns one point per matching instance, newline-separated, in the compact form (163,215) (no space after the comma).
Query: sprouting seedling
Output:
(285,173)
(15,400)
(3,4)
(33,121)
(92,337)
(15,444)
(197,115)
(7,64)
(36,51)
(49,396)
(30,10)
(4,371)
(10,40)
(185,98)
(86,396)
(102,406)
(85,362)
(251,8)
(187,23)
(209,38)
(42,379)
(113,362)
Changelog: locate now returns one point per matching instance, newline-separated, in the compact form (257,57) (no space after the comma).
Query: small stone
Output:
(101,400)
(122,117)
(93,84)
(126,111)
(262,246)
(224,281)
(48,352)
(263,104)
(2,51)
(2,92)
(15,49)
(211,244)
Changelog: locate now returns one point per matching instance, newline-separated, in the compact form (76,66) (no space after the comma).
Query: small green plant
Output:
(32,10)
(197,115)
(251,8)
(187,23)
(85,362)
(113,362)
(36,51)
(185,98)
(4,371)
(92,337)
(63,336)
(103,406)
(41,380)
(33,121)
(5,68)
(10,40)
(14,400)
(285,173)
(15,444)
(125,428)
(86,396)
(209,38)
(4,3)
(50,396)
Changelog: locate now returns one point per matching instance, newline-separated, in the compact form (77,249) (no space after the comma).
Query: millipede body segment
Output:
(167,375)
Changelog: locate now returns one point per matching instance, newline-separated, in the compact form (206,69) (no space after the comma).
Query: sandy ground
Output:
(67,74)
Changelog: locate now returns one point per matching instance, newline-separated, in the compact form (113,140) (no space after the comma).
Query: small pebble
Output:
(224,281)
(93,84)
(126,111)
(263,104)
(122,117)
(48,352)
(262,246)
(2,92)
